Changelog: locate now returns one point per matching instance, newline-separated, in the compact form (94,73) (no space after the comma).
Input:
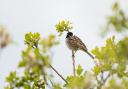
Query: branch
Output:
(51,83)
(73,63)
(102,76)
(58,73)
(106,78)
(102,81)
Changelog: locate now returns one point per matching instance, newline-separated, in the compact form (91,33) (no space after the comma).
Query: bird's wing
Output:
(79,43)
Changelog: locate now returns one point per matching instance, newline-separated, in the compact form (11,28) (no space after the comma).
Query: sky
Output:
(22,16)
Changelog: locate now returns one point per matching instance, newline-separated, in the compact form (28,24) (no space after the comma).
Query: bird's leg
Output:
(73,62)
(73,53)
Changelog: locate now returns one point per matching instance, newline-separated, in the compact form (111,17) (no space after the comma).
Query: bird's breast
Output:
(70,44)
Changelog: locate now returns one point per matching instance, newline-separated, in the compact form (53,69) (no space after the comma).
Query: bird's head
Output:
(69,34)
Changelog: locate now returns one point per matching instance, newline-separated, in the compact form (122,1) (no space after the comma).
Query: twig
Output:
(102,75)
(48,85)
(107,77)
(73,63)
(97,80)
(103,80)
(51,83)
(58,73)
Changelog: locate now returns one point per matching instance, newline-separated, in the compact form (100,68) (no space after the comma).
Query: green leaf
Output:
(32,39)
(96,70)
(63,26)
(11,77)
(26,86)
(22,63)
(115,6)
(39,84)
(79,70)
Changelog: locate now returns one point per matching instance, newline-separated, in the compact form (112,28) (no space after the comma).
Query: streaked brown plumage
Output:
(74,43)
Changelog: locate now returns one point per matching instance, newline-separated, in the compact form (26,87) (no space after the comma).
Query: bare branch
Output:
(58,73)
(73,63)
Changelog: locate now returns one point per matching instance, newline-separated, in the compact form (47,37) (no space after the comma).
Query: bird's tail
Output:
(90,55)
(96,63)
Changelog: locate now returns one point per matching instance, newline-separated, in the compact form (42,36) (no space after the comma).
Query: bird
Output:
(74,43)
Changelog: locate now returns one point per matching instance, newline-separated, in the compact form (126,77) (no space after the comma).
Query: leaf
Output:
(39,84)
(115,6)
(96,70)
(57,86)
(36,35)
(26,86)
(79,70)
(32,39)
(22,64)
(63,26)
(11,76)
(97,53)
